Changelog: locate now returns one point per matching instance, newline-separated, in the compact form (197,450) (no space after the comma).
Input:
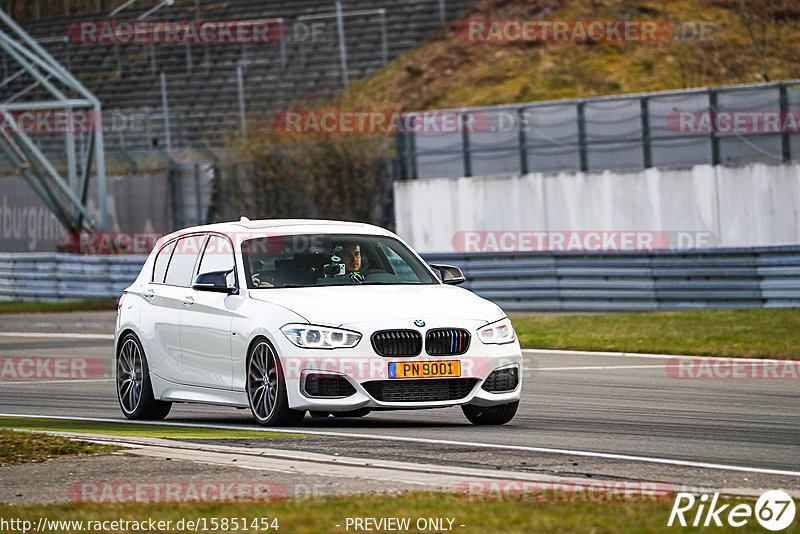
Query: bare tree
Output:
(761,20)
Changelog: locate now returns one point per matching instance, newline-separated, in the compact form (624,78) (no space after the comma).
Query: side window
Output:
(162,260)
(217,256)
(184,258)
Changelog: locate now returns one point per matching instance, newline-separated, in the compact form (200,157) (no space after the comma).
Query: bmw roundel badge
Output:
(419,322)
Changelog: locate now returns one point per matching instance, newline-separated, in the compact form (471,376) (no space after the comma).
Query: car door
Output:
(161,314)
(206,322)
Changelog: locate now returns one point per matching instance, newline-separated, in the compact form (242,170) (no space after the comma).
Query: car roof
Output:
(287,226)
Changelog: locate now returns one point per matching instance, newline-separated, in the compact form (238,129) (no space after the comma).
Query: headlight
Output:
(320,337)
(497,333)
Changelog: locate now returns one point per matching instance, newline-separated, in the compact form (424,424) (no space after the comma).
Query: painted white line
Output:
(75,381)
(599,367)
(554,352)
(656,366)
(63,335)
(306,457)
(430,441)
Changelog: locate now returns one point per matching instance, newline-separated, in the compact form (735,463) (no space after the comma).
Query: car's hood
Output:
(339,305)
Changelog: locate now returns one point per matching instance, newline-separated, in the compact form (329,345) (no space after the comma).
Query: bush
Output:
(330,177)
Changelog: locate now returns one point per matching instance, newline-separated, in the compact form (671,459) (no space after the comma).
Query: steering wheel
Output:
(262,280)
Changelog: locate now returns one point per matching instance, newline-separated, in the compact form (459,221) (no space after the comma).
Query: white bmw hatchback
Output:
(290,316)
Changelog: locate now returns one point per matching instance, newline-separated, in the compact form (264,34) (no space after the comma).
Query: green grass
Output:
(132,429)
(68,306)
(25,447)
(767,333)
(322,515)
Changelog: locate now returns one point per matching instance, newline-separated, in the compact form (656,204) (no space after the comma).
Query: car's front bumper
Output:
(364,373)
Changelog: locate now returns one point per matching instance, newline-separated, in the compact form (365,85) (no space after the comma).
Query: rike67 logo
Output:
(774,510)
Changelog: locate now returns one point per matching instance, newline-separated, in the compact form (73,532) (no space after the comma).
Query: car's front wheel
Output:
(490,415)
(134,390)
(266,388)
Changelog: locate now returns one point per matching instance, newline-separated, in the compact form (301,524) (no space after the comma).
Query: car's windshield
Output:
(277,261)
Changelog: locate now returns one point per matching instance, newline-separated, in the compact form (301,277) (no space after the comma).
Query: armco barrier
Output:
(635,281)
(622,281)
(42,276)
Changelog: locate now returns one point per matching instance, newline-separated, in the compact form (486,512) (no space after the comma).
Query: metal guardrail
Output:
(42,276)
(665,280)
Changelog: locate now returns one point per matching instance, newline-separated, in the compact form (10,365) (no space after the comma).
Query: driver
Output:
(351,257)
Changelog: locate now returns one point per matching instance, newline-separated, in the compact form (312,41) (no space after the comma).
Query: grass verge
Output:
(132,429)
(747,42)
(758,333)
(16,306)
(26,447)
(330,515)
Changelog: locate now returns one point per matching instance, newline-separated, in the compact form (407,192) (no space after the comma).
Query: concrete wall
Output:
(753,205)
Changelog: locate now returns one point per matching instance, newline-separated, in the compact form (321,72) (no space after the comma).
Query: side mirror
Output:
(450,273)
(216,281)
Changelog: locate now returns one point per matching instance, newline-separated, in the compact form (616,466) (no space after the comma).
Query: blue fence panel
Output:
(625,132)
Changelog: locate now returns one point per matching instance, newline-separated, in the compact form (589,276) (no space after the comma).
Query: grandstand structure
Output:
(167,96)
(51,102)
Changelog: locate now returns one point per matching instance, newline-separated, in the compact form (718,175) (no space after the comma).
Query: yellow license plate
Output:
(424,369)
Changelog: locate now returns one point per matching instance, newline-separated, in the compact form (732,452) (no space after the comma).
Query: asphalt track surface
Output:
(592,411)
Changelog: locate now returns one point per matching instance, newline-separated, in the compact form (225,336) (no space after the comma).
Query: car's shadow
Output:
(371,421)
(375,422)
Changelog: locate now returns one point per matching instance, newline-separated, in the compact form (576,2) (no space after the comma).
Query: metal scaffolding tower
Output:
(51,87)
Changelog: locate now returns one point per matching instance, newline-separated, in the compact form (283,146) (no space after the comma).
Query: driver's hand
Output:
(257,281)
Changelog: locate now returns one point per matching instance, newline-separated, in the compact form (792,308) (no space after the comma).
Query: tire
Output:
(266,388)
(361,412)
(134,389)
(490,415)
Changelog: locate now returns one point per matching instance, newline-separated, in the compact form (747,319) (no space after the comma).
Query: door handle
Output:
(149,294)
(188,301)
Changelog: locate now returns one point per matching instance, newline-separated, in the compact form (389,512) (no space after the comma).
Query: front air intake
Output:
(502,380)
(324,385)
(420,390)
